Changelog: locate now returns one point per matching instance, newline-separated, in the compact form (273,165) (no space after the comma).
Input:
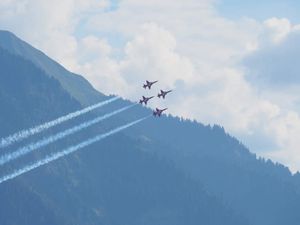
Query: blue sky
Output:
(260,10)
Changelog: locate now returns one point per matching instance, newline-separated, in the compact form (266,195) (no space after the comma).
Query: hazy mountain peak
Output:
(69,81)
(8,34)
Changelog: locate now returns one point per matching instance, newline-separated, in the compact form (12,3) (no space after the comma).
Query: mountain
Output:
(115,182)
(262,191)
(166,171)
(74,84)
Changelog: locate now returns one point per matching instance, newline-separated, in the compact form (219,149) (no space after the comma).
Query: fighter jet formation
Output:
(162,94)
(7,157)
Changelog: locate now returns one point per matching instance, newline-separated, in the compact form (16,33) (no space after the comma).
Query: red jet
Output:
(145,100)
(149,84)
(163,93)
(158,112)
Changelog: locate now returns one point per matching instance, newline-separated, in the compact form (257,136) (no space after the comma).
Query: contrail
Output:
(68,151)
(33,146)
(34,130)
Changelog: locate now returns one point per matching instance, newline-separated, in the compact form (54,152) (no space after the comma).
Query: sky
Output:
(229,62)
(236,9)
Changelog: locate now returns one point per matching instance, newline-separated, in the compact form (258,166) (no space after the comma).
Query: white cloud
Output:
(92,47)
(184,44)
(275,64)
(274,69)
(277,29)
(152,55)
(49,25)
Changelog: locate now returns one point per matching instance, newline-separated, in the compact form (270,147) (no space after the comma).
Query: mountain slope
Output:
(77,86)
(112,183)
(18,77)
(264,192)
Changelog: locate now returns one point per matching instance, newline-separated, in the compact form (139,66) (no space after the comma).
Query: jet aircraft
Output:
(148,84)
(145,100)
(163,93)
(158,112)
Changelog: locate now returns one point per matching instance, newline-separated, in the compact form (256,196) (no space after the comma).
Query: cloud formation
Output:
(275,63)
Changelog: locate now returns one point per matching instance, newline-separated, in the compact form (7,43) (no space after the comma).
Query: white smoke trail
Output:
(68,151)
(34,130)
(33,146)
